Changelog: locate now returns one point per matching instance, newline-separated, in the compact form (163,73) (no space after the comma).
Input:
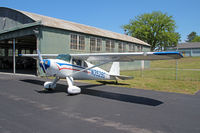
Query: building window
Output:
(107,45)
(141,48)
(73,44)
(95,44)
(34,52)
(92,44)
(131,48)
(138,48)
(16,52)
(23,51)
(81,42)
(124,47)
(120,49)
(77,42)
(99,44)
(2,52)
(112,46)
(10,52)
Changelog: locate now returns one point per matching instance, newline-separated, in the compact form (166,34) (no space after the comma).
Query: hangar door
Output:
(23,45)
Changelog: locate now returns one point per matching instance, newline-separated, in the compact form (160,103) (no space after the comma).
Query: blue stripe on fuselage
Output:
(95,73)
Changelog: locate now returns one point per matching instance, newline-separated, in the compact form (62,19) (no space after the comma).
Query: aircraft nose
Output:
(47,63)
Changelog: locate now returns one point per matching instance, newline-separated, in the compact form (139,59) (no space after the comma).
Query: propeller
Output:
(41,61)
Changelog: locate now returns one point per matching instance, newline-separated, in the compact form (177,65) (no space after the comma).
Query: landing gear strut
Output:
(116,81)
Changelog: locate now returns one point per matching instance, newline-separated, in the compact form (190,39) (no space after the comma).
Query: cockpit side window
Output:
(85,64)
(77,62)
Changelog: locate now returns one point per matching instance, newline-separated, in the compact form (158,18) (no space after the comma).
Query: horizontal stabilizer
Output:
(122,77)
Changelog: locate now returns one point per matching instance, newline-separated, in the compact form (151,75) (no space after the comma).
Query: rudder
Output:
(115,69)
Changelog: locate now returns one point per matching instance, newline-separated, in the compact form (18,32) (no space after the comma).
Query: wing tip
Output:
(169,53)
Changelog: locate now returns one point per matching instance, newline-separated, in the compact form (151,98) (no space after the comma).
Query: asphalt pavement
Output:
(26,108)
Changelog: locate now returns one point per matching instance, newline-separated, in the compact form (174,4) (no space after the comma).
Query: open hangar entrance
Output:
(11,48)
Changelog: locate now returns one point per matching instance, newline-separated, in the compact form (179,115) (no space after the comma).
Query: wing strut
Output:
(92,67)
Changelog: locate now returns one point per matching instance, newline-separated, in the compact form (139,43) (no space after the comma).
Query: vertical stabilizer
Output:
(115,69)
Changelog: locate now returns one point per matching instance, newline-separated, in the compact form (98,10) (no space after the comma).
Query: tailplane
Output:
(121,77)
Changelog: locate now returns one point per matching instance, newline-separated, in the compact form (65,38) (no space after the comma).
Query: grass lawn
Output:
(186,87)
(166,74)
(183,63)
(164,79)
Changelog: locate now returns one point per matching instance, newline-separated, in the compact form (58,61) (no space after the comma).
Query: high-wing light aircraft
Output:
(78,66)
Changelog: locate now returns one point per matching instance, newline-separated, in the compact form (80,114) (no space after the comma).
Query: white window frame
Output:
(97,47)
(78,43)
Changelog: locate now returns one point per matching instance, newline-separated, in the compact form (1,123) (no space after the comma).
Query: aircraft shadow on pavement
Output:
(99,93)
(111,82)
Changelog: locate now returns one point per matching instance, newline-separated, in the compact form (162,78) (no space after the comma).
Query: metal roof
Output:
(67,25)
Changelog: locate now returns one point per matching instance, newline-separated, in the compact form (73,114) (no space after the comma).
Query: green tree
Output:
(196,39)
(156,28)
(191,36)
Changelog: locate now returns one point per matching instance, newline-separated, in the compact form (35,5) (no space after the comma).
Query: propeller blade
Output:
(41,61)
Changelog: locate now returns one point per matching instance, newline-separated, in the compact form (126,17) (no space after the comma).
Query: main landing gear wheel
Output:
(72,90)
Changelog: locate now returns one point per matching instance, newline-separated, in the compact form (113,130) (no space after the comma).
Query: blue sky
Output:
(112,14)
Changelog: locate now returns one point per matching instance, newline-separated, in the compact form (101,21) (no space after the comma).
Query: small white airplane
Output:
(77,66)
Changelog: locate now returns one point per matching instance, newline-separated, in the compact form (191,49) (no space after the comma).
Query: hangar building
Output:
(23,32)
(187,48)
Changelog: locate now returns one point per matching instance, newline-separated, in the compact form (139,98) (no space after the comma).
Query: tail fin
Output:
(115,72)
(115,69)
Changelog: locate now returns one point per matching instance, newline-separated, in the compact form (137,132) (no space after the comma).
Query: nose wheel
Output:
(51,85)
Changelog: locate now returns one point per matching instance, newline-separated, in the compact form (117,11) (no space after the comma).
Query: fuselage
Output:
(62,69)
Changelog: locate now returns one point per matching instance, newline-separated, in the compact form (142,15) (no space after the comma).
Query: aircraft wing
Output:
(122,57)
(35,56)
(126,57)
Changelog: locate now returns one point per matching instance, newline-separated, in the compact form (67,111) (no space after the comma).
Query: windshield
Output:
(65,57)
